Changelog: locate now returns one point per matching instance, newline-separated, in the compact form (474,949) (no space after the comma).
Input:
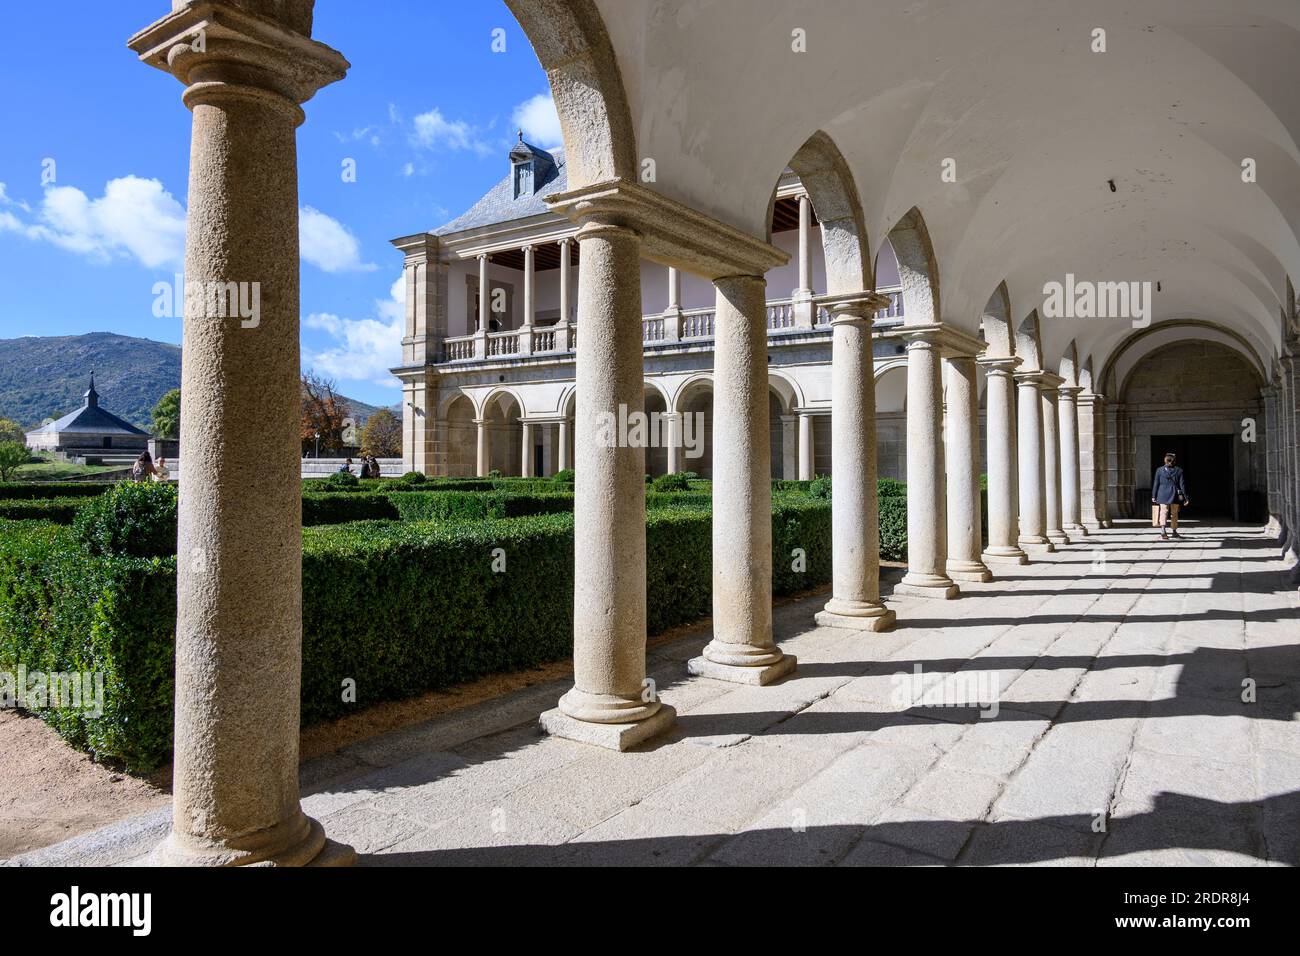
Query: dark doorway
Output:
(1206,461)
(538,470)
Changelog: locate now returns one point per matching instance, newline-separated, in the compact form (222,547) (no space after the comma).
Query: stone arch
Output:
(995,324)
(456,412)
(573,46)
(1029,343)
(786,389)
(1086,381)
(891,419)
(1069,367)
(1142,341)
(496,395)
(655,404)
(846,251)
(695,398)
(918,269)
(501,412)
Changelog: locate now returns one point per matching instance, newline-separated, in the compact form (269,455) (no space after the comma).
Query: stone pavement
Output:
(1118,666)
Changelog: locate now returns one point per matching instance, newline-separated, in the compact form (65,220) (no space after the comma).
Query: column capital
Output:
(999,364)
(1069,391)
(672,234)
(950,339)
(220,51)
(421,247)
(854,308)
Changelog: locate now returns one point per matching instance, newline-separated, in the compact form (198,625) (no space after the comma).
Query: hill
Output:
(45,376)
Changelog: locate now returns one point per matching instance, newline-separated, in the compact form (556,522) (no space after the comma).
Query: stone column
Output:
(1052,461)
(742,649)
(483,461)
(807,461)
(610,704)
(564,280)
(562,450)
(673,430)
(1068,416)
(1089,498)
(805,247)
(1271,437)
(529,287)
(962,457)
(790,447)
(1000,411)
(484,295)
(239,550)
(855,517)
(1101,426)
(1029,447)
(526,449)
(927,532)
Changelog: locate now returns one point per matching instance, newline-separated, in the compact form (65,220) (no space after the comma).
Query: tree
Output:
(167,415)
(382,435)
(10,430)
(12,454)
(323,412)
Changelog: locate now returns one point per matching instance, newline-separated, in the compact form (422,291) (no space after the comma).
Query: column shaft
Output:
(673,423)
(807,462)
(962,452)
(564,280)
(855,518)
(742,648)
(1052,465)
(483,461)
(526,449)
(1067,409)
(562,451)
(1000,412)
(1029,446)
(927,533)
(609,598)
(529,286)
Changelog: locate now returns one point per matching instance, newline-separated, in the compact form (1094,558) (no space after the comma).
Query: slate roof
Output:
(90,418)
(499,204)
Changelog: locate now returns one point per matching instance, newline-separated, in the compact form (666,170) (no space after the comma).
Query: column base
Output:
(1058,537)
(927,586)
(618,737)
(308,848)
(1036,545)
(1005,556)
(969,571)
(755,676)
(856,615)
(606,708)
(1078,530)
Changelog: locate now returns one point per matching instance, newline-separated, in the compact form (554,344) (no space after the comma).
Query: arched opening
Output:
(505,434)
(462,438)
(1199,399)
(656,453)
(891,422)
(695,403)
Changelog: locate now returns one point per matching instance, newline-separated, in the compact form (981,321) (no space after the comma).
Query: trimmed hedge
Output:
(53,510)
(369,612)
(62,610)
(18,490)
(460,506)
(133,519)
(340,507)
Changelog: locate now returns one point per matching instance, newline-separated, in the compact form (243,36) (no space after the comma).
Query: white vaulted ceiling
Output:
(1036,122)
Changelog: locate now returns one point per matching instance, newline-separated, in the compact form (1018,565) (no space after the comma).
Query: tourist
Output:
(374,466)
(1168,492)
(160,471)
(346,467)
(143,468)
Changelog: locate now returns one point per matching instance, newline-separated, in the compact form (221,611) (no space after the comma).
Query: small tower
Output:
(92,396)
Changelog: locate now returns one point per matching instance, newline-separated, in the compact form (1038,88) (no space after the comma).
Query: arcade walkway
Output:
(1121,737)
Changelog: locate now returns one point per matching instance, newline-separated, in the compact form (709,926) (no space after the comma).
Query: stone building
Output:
(91,432)
(999,151)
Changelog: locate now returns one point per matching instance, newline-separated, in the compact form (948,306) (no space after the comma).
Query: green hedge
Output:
(62,610)
(462,506)
(369,610)
(340,507)
(18,490)
(54,510)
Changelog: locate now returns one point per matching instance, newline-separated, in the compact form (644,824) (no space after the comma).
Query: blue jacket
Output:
(1167,486)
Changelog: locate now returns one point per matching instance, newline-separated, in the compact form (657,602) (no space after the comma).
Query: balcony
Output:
(694,327)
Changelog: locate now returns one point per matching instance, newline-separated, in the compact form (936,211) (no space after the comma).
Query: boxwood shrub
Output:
(55,510)
(16,490)
(469,506)
(133,519)
(339,507)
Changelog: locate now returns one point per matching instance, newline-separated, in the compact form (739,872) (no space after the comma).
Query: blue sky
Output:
(428,113)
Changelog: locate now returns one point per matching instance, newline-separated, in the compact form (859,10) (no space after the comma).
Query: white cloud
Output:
(539,121)
(6,201)
(327,244)
(367,348)
(433,131)
(134,218)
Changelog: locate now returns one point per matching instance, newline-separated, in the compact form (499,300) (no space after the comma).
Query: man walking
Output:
(1168,494)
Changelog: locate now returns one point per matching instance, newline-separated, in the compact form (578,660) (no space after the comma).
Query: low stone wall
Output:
(324,467)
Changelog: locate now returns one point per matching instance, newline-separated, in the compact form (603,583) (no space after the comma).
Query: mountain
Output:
(45,376)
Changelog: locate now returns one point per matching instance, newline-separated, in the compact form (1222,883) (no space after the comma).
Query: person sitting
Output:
(346,467)
(160,471)
(1168,494)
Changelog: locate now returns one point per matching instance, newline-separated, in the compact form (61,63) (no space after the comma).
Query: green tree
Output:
(167,415)
(382,435)
(10,430)
(12,454)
